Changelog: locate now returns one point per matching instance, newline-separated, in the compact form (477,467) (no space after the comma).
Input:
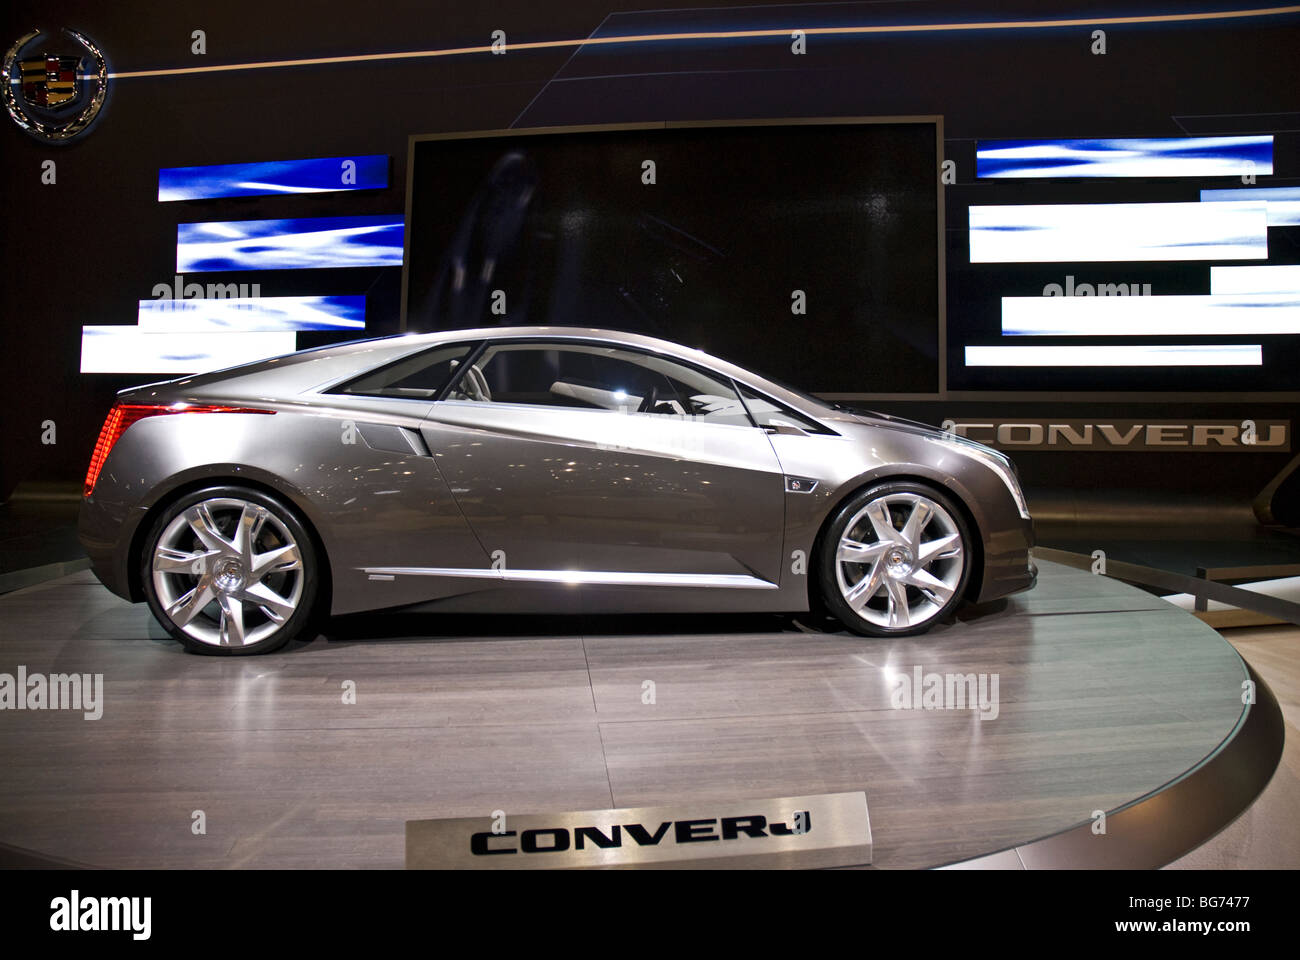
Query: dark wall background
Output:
(86,249)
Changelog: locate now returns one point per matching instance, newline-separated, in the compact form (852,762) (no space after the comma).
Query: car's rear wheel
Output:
(230,571)
(895,560)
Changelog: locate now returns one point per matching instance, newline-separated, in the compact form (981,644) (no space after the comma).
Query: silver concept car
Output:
(531,470)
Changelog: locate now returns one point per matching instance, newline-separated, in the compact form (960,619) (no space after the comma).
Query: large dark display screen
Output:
(808,252)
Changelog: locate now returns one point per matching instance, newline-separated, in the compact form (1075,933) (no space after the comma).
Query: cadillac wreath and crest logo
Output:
(54,96)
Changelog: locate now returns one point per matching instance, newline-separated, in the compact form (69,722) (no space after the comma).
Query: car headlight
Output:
(996,461)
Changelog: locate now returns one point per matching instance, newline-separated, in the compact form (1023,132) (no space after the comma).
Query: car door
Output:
(394,520)
(597,463)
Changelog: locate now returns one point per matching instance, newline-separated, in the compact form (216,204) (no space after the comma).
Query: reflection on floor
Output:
(1105,693)
(35,532)
(1265,836)
(38,535)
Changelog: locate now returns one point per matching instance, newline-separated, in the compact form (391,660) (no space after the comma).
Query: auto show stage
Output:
(1092,696)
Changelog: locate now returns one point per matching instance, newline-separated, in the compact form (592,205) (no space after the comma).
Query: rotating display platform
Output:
(1106,699)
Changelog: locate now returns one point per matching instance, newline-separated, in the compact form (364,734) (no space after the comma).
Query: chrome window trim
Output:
(559,341)
(481,344)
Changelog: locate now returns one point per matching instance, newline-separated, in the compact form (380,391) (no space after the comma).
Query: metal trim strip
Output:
(580,577)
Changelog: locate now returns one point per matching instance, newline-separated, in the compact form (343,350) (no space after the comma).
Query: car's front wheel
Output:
(230,571)
(895,559)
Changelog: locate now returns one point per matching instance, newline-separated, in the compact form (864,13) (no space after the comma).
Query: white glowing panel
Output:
(1143,355)
(1283,202)
(1090,232)
(1246,314)
(1269,279)
(128,349)
(253,314)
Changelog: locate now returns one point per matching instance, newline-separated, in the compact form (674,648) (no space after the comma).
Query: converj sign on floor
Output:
(824,830)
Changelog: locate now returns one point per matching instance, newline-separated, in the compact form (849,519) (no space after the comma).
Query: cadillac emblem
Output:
(50,95)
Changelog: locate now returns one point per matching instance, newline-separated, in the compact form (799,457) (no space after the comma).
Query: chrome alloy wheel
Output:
(899,560)
(227,572)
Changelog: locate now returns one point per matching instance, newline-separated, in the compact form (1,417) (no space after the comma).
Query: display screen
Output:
(1127,157)
(128,348)
(271,177)
(1110,232)
(253,314)
(1084,265)
(298,244)
(808,252)
(1281,203)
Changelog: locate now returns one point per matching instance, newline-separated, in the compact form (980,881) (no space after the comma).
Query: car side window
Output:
(420,377)
(769,413)
(597,377)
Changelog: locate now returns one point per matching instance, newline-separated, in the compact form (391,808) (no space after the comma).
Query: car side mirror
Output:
(785,430)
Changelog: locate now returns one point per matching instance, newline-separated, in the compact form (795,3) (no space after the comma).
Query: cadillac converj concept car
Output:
(533,470)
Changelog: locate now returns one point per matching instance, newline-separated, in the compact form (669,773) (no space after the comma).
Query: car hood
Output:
(872,418)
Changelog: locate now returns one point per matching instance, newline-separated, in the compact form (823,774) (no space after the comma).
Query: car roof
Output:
(559,333)
(316,369)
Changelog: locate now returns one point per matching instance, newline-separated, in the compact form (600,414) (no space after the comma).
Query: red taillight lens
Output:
(113,428)
(124,414)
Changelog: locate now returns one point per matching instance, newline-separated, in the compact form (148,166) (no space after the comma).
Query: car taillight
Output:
(124,414)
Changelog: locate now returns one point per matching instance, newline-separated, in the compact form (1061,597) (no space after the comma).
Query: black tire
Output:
(279,532)
(930,601)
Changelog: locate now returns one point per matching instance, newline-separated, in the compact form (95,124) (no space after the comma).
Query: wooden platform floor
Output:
(1106,693)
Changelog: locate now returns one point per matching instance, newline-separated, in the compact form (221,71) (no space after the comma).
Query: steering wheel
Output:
(650,400)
